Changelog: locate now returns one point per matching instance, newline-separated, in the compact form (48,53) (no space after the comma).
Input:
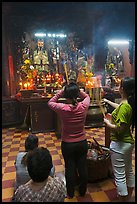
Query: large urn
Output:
(95,115)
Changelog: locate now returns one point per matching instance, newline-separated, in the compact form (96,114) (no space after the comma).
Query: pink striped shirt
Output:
(72,117)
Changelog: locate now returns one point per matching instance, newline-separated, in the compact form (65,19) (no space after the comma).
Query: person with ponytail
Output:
(122,141)
(74,144)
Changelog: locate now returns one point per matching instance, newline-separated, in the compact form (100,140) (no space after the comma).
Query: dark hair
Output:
(72,91)
(39,164)
(128,85)
(31,142)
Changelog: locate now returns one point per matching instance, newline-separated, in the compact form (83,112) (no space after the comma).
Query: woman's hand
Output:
(109,124)
(113,104)
(105,100)
(106,121)
(63,88)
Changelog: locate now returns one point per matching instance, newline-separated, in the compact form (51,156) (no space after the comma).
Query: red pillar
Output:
(11,71)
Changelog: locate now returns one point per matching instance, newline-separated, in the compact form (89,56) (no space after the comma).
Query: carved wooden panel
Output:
(10,112)
(42,117)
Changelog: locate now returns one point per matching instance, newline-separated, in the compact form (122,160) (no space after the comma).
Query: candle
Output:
(21,85)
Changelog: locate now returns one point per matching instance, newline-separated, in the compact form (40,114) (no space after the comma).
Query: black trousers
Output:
(75,159)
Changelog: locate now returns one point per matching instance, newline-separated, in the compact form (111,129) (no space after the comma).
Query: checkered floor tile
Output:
(13,141)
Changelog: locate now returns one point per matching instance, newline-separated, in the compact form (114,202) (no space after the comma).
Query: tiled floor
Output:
(13,142)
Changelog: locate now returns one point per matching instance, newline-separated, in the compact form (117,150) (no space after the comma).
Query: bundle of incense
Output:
(99,147)
(93,95)
(102,109)
(66,73)
(90,92)
(97,94)
(100,95)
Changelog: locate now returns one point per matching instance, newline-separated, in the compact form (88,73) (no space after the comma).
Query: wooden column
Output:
(107,136)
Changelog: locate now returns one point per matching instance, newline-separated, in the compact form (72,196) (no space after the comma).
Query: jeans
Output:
(121,158)
(75,158)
